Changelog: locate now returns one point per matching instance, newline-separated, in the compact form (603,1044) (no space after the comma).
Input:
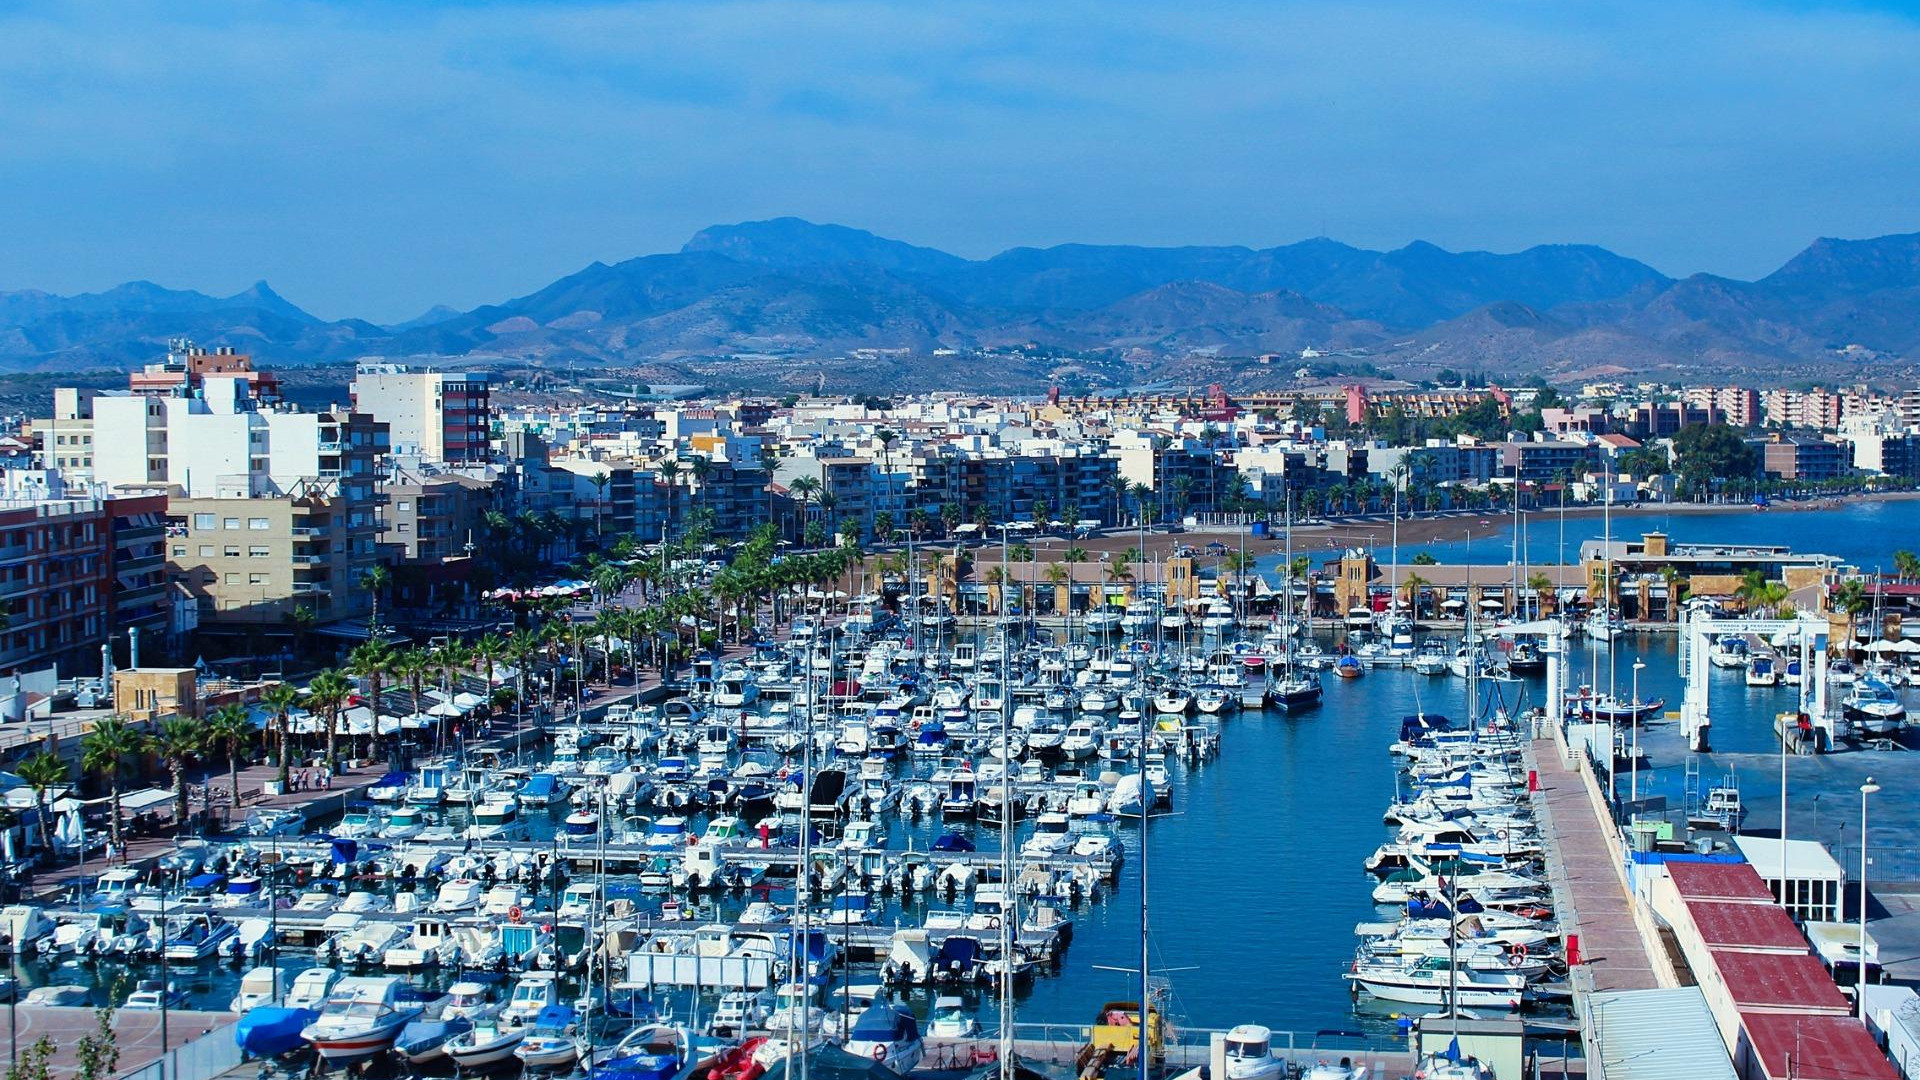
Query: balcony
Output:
(304,533)
(309,560)
(304,587)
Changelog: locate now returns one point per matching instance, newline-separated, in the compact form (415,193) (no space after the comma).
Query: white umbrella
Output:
(1882,646)
(1906,645)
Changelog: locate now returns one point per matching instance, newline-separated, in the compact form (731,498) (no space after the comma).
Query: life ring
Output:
(880,1052)
(993,922)
(1500,835)
(1520,951)
(513,914)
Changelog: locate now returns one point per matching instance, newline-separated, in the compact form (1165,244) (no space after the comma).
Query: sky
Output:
(374,159)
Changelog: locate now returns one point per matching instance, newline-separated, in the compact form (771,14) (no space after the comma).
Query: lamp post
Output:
(1633,759)
(1860,984)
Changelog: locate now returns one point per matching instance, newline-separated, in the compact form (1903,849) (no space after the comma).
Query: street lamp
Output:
(1860,984)
(1633,759)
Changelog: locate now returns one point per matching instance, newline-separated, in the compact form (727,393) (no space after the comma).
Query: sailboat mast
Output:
(1146,1000)
(1008,904)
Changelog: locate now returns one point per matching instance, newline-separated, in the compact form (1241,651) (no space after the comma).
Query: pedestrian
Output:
(326,780)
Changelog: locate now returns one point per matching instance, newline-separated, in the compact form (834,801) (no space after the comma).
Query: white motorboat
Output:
(1762,671)
(1728,651)
(554,1042)
(490,1042)
(258,987)
(310,988)
(951,1019)
(1250,1056)
(888,1034)
(361,1017)
(1875,707)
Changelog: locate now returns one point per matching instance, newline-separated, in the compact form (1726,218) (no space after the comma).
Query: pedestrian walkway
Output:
(1590,894)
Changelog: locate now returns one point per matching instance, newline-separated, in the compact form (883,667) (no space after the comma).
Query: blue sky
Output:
(372,159)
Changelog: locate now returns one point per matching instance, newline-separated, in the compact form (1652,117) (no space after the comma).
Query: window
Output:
(257,524)
(203,521)
(258,579)
(206,551)
(403,504)
(233,579)
(404,527)
(232,551)
(180,551)
(230,523)
(259,551)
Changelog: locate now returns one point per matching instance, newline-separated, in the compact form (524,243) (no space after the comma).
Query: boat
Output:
(269,1031)
(424,1041)
(1762,671)
(362,1017)
(61,994)
(489,1042)
(532,995)
(554,1042)
(1430,660)
(1451,1064)
(1526,658)
(259,986)
(650,1052)
(1295,690)
(1349,667)
(197,937)
(888,1034)
(951,1019)
(1609,709)
(311,988)
(1728,651)
(1873,705)
(1250,1056)
(153,996)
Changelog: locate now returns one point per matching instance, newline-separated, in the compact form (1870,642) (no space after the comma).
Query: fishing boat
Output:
(1250,1056)
(361,1017)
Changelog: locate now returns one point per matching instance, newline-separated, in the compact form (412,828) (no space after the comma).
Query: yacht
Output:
(1874,707)
(1728,651)
(888,1034)
(1762,671)
(1250,1056)
(951,1019)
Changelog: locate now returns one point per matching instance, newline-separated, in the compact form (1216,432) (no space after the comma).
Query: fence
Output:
(202,1059)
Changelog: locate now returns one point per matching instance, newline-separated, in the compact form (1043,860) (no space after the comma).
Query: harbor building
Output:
(1651,575)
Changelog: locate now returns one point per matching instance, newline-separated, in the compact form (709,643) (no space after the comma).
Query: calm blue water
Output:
(1863,534)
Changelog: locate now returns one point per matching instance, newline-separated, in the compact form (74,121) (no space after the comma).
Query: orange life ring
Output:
(880,1052)
(513,913)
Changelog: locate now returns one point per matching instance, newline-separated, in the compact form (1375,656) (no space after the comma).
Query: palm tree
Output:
(1057,576)
(375,579)
(600,481)
(177,740)
(107,750)
(1906,564)
(1072,557)
(1121,489)
(1851,598)
(281,698)
(372,661)
(1542,585)
(1414,585)
(327,694)
(43,772)
(230,727)
(804,488)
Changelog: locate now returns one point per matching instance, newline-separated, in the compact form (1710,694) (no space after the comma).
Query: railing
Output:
(202,1059)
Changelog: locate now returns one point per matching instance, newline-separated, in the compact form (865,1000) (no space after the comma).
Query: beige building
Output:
(258,560)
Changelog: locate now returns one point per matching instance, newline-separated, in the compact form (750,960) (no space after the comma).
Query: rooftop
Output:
(1718,881)
(1781,983)
(1658,1035)
(1746,927)
(1810,1047)
(1805,860)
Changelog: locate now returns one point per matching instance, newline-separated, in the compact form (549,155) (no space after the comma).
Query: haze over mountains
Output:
(787,289)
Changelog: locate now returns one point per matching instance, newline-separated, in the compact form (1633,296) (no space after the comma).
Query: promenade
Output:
(1590,894)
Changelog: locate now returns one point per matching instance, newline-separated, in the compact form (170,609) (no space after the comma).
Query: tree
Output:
(883,527)
(1906,564)
(177,740)
(1851,598)
(670,472)
(1424,558)
(229,727)
(327,694)
(43,772)
(375,580)
(600,480)
(106,751)
(372,661)
(1414,586)
(1706,455)
(281,698)
(1760,595)
(804,488)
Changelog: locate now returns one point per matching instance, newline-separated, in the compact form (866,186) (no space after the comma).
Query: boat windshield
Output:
(1239,1049)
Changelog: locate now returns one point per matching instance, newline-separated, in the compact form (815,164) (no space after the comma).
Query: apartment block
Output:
(77,569)
(438,415)
(428,513)
(1736,405)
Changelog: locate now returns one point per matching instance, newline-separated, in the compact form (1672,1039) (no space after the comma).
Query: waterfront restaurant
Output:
(1652,575)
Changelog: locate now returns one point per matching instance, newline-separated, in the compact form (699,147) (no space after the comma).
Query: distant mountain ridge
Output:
(792,289)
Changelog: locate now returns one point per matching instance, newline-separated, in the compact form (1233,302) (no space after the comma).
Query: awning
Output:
(141,800)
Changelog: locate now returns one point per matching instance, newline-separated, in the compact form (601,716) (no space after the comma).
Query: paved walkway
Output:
(1591,898)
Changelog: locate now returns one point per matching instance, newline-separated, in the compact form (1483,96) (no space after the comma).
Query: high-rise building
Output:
(437,415)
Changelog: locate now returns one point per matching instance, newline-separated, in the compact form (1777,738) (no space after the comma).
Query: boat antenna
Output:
(1146,999)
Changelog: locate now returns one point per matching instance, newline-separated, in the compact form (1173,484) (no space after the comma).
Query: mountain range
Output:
(786,298)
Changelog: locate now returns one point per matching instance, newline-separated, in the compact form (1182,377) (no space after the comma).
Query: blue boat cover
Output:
(206,881)
(270,1031)
(554,1016)
(952,842)
(344,850)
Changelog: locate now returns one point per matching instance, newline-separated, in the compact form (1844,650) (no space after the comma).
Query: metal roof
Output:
(1717,881)
(1760,981)
(1806,860)
(1657,1035)
(1746,927)
(1809,1047)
